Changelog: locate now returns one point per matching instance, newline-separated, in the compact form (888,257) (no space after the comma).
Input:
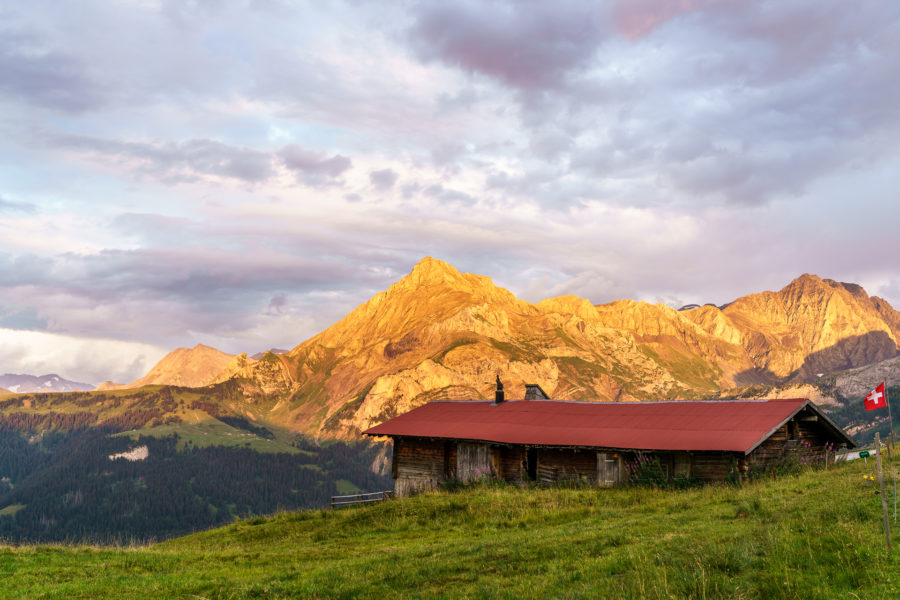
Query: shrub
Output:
(646,469)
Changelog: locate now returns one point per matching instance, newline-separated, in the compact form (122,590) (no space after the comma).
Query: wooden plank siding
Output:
(701,465)
(512,463)
(713,466)
(418,464)
(563,464)
(804,438)
(474,461)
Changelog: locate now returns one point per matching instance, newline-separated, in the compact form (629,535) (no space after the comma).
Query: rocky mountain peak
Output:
(432,270)
(435,277)
(189,367)
(432,292)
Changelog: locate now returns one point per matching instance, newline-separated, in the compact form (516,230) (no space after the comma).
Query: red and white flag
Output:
(876,398)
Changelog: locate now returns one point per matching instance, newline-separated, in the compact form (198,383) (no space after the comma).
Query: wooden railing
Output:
(355,499)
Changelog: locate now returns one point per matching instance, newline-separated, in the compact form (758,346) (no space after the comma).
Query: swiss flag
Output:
(876,398)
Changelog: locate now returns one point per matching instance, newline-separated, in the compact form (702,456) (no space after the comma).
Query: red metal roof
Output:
(733,425)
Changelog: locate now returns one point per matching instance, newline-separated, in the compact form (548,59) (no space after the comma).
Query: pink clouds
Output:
(636,18)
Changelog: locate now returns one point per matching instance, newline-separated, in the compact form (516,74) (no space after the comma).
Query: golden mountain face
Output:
(186,367)
(442,334)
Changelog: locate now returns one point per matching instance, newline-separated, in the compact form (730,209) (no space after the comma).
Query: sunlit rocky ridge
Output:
(441,334)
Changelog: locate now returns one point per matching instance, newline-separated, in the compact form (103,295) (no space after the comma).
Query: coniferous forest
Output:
(63,486)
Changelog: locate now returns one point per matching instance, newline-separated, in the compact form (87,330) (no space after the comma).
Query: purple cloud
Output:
(527,45)
(312,165)
(34,74)
(158,294)
(383,179)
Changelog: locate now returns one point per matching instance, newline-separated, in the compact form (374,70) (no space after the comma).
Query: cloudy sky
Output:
(242,173)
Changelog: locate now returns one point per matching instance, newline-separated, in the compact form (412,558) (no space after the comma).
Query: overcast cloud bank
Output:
(244,173)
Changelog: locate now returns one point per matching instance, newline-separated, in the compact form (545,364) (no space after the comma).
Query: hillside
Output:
(439,333)
(813,536)
(185,367)
(201,465)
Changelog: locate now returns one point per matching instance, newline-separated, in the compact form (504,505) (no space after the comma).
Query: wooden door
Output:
(473,461)
(607,469)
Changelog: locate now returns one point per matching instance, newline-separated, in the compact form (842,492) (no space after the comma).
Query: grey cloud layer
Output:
(746,103)
(45,77)
(176,162)
(157,294)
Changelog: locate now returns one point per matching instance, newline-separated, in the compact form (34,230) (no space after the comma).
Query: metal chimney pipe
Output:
(498,395)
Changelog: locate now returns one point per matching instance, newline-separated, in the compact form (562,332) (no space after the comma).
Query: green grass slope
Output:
(817,535)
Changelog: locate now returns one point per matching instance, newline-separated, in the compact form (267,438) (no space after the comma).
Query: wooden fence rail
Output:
(354,499)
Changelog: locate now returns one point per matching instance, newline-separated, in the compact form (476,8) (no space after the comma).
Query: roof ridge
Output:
(626,402)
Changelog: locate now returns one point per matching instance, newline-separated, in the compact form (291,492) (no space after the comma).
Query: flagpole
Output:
(887,523)
(890,418)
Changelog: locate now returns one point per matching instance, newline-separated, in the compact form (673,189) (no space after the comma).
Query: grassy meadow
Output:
(816,535)
(205,431)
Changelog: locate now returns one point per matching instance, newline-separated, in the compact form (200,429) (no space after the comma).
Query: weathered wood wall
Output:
(473,461)
(512,463)
(562,464)
(713,466)
(703,465)
(803,438)
(815,433)
(418,464)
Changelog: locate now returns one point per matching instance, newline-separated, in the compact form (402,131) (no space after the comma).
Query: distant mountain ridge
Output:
(186,367)
(259,355)
(28,384)
(441,334)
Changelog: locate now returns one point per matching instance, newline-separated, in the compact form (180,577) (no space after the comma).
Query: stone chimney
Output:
(534,392)
(498,395)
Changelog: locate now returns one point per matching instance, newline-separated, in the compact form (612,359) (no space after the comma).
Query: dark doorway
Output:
(449,471)
(531,459)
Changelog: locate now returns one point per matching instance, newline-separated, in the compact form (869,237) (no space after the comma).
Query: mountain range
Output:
(25,384)
(227,435)
(441,334)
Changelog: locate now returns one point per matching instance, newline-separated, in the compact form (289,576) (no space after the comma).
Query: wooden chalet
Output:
(539,439)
